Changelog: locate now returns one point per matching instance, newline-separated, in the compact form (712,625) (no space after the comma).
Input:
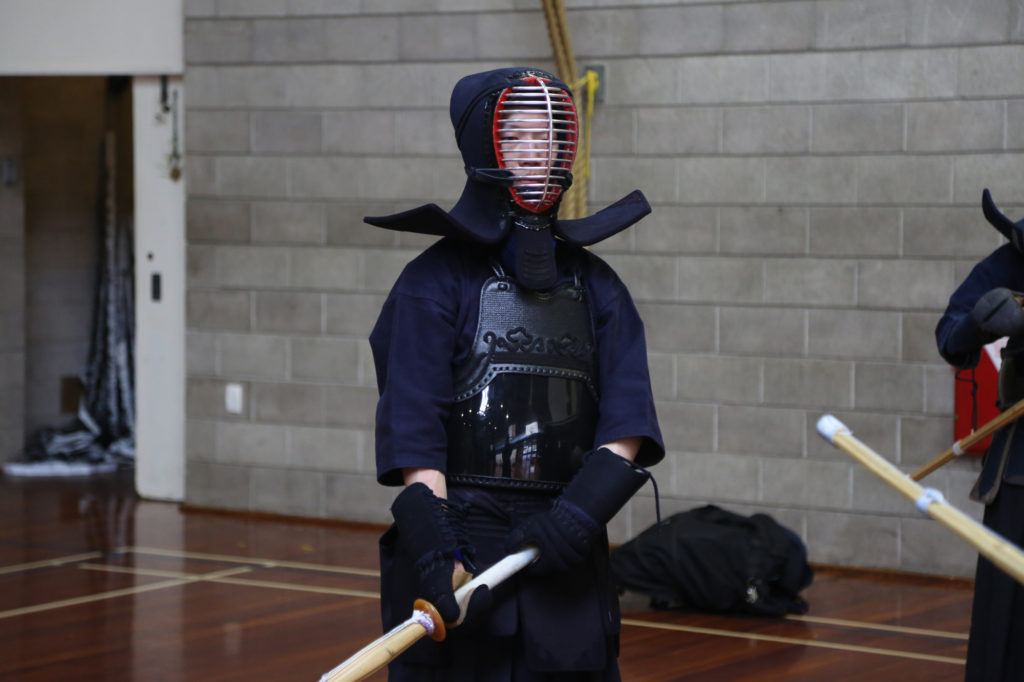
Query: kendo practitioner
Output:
(986,307)
(515,400)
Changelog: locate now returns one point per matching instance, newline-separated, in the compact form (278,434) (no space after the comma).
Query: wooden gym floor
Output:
(98,585)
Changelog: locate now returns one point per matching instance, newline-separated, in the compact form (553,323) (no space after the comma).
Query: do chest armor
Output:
(526,397)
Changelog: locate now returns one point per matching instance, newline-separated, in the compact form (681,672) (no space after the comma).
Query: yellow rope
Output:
(558,33)
(574,203)
(581,169)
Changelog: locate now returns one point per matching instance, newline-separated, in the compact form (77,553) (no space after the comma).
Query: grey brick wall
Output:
(816,169)
(60,178)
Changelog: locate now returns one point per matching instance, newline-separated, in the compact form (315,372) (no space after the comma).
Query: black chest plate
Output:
(525,408)
(528,332)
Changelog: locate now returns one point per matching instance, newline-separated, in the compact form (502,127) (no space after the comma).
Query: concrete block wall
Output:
(62,129)
(815,167)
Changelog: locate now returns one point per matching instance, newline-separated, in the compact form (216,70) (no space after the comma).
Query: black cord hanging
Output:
(163,95)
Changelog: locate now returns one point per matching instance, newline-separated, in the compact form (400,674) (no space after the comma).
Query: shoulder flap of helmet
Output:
(434,220)
(1009,229)
(606,222)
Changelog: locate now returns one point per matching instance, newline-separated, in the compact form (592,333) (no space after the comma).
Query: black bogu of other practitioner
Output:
(515,400)
(986,307)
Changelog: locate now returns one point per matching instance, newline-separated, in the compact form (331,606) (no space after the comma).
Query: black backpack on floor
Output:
(710,559)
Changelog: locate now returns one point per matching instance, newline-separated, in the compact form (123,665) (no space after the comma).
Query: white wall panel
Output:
(51,37)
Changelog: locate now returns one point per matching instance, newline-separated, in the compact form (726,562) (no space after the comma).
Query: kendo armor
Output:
(526,398)
(525,407)
(1011,370)
(1011,373)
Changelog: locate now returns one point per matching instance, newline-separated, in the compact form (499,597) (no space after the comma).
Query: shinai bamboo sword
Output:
(929,501)
(424,621)
(961,446)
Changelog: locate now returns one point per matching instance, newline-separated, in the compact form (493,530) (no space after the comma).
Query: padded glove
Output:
(999,313)
(566,533)
(430,532)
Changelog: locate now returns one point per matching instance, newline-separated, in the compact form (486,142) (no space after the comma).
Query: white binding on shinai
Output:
(494,575)
(829,426)
(928,495)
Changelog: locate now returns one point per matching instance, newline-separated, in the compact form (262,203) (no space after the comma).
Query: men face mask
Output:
(535,131)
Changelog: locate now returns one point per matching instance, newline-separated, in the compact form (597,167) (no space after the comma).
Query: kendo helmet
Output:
(517,128)
(515,183)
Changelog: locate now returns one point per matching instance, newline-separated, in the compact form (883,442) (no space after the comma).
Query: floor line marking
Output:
(878,626)
(793,640)
(157,573)
(271,563)
(112,594)
(226,576)
(297,588)
(223,577)
(46,563)
(266,563)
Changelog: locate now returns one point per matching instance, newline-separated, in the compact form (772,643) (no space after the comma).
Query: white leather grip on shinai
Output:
(829,426)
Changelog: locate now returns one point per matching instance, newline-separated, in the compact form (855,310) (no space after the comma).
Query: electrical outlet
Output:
(234,398)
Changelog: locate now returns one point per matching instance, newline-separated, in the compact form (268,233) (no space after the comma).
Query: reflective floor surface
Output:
(96,584)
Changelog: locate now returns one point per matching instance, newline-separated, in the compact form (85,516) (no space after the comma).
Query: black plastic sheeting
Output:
(103,432)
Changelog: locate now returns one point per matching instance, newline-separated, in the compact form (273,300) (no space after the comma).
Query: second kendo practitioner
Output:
(986,307)
(515,400)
